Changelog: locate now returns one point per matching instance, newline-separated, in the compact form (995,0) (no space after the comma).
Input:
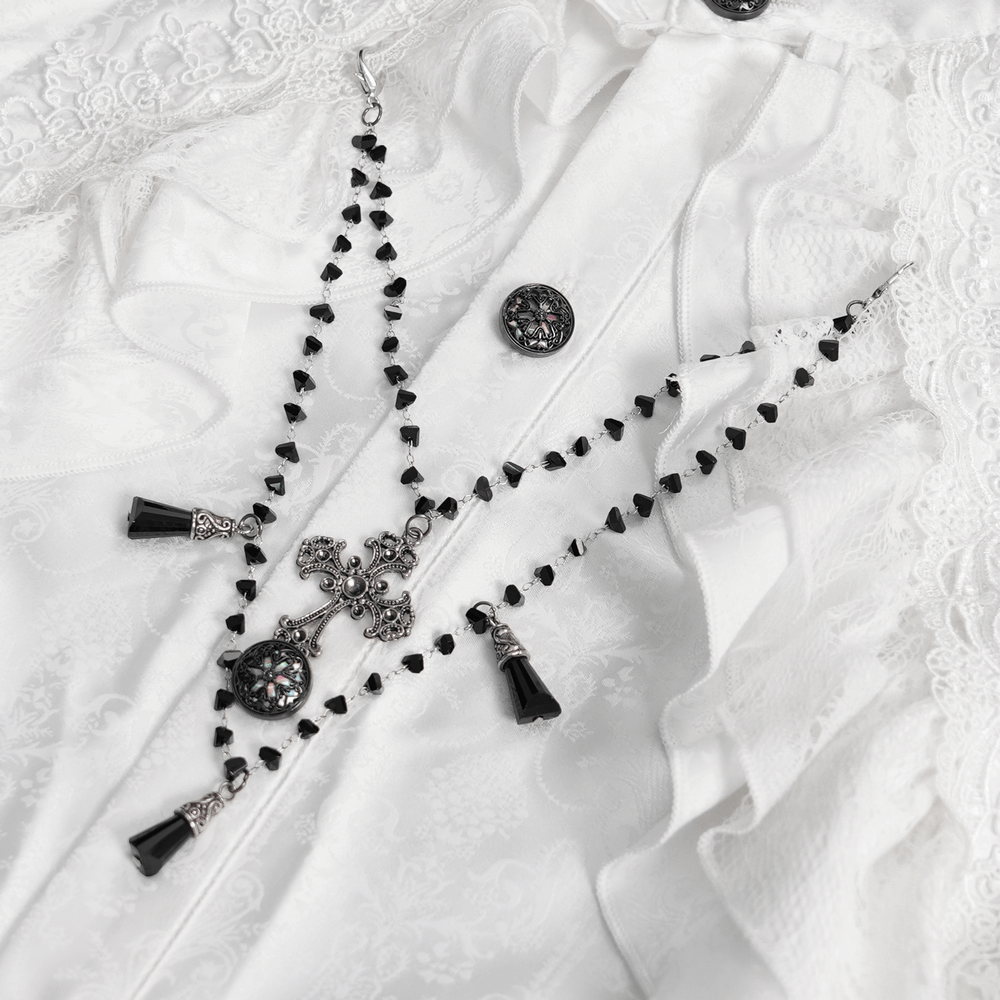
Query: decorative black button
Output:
(272,679)
(738,10)
(537,319)
(414,662)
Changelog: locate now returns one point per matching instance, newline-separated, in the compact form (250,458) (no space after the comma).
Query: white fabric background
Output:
(775,772)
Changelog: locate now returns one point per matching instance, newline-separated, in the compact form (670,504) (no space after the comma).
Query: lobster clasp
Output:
(372,87)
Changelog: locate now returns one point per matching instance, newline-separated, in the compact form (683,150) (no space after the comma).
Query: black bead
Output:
(747,347)
(352,214)
(512,595)
(710,357)
(643,504)
(264,513)
(404,398)
(769,411)
(237,623)
(830,349)
(149,519)
(154,847)
(483,490)
(223,699)
(424,506)
(531,699)
(276,484)
(672,482)
(223,736)
(411,475)
(554,460)
(303,381)
(380,218)
(253,554)
(645,404)
(737,437)
(380,190)
(311,345)
(843,323)
(581,446)
(706,461)
(358,177)
(615,521)
(374,684)
(410,433)
(227,660)
(395,288)
(322,312)
(307,728)
(513,472)
(294,413)
(803,379)
(395,374)
(615,428)
(414,662)
(287,451)
(366,141)
(673,387)
(248,589)
(331,272)
(478,619)
(391,313)
(377,153)
(270,757)
(390,344)
(386,252)
(341,244)
(445,643)
(234,765)
(448,508)
(337,705)
(578,547)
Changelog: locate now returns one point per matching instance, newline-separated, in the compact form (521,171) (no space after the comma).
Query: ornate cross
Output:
(362,590)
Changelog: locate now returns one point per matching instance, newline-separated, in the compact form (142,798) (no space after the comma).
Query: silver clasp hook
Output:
(879,292)
(372,87)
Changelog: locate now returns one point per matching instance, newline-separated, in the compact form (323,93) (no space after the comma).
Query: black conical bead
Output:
(223,736)
(410,433)
(737,437)
(445,643)
(303,381)
(513,596)
(414,662)
(424,505)
(331,272)
(643,504)
(830,349)
(311,345)
(395,288)
(747,347)
(253,554)
(322,312)
(380,218)
(337,705)
(341,244)
(352,214)
(377,153)
(227,660)
(546,574)
(358,177)
(843,323)
(448,508)
(615,428)
(404,398)
(234,765)
(673,387)
(672,482)
(478,619)
(294,413)
(645,404)
(374,683)
(270,757)
(366,141)
(395,374)
(287,451)
(248,588)
(391,313)
(710,357)
(390,344)
(531,699)
(223,699)
(615,521)
(380,190)
(307,728)
(803,379)
(237,623)
(769,411)
(513,472)
(264,513)
(581,447)
(578,547)
(411,475)
(706,461)
(483,490)
(154,847)
(276,484)
(554,460)
(149,519)
(386,252)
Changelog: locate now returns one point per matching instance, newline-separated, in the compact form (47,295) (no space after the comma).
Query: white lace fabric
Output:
(774,772)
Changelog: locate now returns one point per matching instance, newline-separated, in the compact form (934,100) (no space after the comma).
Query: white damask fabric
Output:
(775,772)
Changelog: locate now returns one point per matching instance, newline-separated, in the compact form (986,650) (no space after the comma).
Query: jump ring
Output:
(366,115)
